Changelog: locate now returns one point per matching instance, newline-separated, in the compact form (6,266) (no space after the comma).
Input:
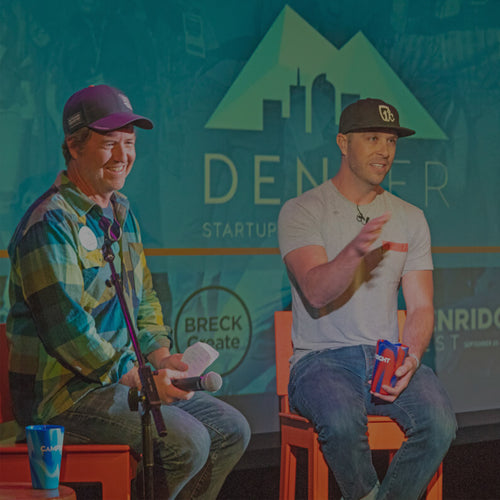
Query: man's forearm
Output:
(325,283)
(157,358)
(419,327)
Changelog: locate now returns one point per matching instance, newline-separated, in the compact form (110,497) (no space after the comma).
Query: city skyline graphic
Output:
(295,67)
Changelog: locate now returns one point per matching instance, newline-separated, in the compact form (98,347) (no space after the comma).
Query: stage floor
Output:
(471,472)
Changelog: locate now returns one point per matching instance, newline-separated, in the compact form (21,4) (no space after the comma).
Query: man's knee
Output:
(438,428)
(239,432)
(345,428)
(186,451)
(444,429)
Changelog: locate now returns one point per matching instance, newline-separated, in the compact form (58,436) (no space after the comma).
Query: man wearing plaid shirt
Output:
(72,361)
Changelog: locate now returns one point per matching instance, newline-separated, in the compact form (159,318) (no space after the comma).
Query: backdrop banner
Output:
(246,99)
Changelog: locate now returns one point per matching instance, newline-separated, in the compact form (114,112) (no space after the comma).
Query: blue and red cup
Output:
(388,358)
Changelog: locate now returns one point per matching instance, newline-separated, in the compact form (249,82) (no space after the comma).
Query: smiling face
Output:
(367,157)
(102,164)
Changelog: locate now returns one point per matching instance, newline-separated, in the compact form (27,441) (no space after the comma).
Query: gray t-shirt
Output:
(367,310)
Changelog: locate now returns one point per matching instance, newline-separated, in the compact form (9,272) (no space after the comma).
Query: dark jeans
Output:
(205,438)
(331,389)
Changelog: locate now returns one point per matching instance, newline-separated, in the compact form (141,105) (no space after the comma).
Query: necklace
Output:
(360,217)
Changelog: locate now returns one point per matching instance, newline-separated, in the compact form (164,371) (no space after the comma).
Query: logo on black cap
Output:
(386,113)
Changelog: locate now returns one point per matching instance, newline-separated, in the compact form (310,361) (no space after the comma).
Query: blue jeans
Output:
(205,438)
(331,389)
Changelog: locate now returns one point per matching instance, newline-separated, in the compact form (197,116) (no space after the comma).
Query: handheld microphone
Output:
(210,382)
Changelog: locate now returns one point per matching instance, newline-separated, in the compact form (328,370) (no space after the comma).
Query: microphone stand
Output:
(148,396)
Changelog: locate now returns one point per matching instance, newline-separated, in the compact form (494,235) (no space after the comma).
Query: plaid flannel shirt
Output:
(66,329)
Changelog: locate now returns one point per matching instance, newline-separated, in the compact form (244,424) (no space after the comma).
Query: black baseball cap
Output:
(101,108)
(371,114)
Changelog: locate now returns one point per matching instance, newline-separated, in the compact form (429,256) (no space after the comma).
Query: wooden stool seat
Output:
(24,491)
(110,465)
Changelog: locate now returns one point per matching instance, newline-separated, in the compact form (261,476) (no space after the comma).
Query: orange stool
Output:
(112,465)
(298,432)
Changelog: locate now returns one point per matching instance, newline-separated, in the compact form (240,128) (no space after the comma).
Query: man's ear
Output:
(342,143)
(73,150)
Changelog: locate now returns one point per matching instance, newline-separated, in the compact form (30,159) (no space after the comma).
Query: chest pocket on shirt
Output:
(95,271)
(92,258)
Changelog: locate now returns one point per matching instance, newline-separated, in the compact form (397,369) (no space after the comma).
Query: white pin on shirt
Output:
(87,238)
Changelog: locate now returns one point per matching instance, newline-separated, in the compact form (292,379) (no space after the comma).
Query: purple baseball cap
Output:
(100,108)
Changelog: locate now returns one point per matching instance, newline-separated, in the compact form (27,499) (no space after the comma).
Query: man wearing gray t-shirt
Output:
(348,246)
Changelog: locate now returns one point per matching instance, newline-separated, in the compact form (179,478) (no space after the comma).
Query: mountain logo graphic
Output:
(293,53)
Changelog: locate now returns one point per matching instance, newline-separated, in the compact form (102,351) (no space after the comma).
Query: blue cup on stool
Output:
(45,443)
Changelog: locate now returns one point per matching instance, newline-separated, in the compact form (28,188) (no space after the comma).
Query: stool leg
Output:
(288,471)
(435,488)
(318,473)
